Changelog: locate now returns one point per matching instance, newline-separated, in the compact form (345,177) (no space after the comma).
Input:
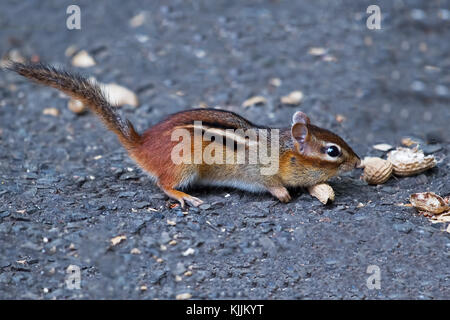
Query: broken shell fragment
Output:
(76,106)
(115,94)
(116,240)
(83,60)
(293,98)
(323,192)
(119,96)
(16,56)
(340,118)
(383,147)
(408,162)
(317,51)
(70,51)
(408,142)
(276,82)
(254,101)
(428,201)
(183,296)
(376,170)
(51,112)
(137,20)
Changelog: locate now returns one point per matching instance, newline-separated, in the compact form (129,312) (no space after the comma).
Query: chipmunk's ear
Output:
(299,131)
(300,117)
(300,136)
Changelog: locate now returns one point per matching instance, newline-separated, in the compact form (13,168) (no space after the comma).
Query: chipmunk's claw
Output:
(182,197)
(192,201)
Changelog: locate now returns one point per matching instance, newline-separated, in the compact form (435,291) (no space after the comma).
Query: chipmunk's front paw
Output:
(280,193)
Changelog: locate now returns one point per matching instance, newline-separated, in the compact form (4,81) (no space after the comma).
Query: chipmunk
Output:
(305,154)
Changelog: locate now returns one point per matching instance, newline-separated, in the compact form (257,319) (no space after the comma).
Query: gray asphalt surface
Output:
(60,204)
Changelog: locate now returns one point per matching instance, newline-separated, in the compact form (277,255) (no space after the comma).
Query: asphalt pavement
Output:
(70,196)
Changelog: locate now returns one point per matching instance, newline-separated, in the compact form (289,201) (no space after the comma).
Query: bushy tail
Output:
(84,90)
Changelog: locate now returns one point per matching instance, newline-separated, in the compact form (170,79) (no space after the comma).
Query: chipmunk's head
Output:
(323,148)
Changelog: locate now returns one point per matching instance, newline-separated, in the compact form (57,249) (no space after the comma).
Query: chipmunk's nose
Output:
(359,164)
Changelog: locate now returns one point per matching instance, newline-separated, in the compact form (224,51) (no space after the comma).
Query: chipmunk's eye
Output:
(333,151)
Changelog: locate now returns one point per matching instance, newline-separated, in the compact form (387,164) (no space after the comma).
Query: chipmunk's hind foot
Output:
(182,197)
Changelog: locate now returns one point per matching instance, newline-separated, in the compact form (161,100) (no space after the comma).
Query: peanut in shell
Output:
(376,170)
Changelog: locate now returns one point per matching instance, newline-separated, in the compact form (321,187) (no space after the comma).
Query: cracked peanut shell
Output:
(323,192)
(428,201)
(408,162)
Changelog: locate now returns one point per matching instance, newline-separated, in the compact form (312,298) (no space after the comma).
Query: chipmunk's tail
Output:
(84,90)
